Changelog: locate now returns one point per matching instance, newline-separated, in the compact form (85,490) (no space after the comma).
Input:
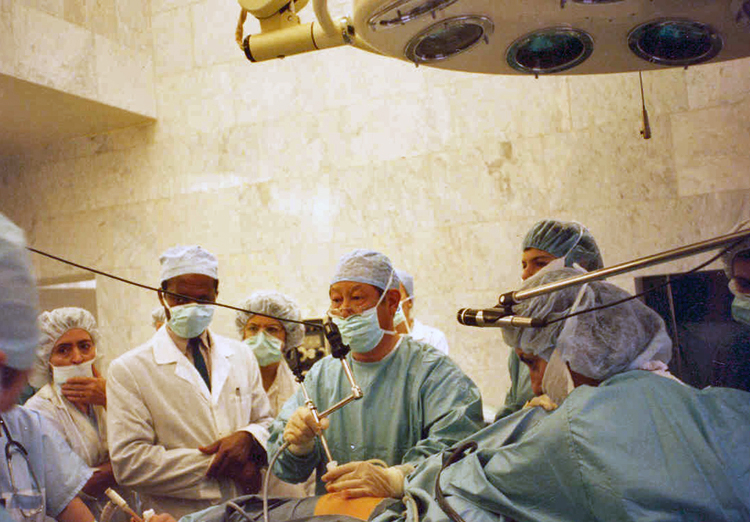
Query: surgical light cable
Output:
(266,479)
(166,292)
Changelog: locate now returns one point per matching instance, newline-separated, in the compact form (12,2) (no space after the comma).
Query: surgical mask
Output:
(557,382)
(362,332)
(267,348)
(190,320)
(741,309)
(61,374)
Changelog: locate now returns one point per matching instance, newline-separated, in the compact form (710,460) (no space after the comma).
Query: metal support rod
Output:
(356,391)
(311,406)
(516,297)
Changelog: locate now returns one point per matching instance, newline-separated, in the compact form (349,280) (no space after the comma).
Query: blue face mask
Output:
(362,332)
(741,309)
(190,320)
(267,348)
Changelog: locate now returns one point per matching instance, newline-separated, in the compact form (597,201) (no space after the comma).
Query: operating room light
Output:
(537,37)
(675,42)
(403,11)
(550,50)
(448,38)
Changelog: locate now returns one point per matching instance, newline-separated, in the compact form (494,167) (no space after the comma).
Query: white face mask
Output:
(61,374)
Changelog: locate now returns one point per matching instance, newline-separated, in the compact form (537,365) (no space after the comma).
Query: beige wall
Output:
(96,49)
(281,167)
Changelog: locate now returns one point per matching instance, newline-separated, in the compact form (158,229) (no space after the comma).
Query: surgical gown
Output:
(416,403)
(638,447)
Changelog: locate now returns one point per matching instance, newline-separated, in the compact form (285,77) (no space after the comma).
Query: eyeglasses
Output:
(35,498)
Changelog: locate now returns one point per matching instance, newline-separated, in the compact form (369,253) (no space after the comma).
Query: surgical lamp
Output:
(501,315)
(532,37)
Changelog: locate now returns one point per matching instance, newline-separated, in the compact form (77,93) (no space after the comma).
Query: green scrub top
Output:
(416,403)
(520,391)
(637,447)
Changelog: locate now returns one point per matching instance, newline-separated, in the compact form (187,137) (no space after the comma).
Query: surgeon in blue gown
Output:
(630,442)
(417,402)
(46,482)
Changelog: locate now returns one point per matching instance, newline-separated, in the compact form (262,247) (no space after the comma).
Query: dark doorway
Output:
(710,349)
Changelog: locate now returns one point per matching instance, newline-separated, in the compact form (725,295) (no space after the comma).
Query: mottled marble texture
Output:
(95,49)
(281,167)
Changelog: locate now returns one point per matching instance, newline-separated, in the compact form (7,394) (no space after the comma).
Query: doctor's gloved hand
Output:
(366,479)
(301,430)
(542,401)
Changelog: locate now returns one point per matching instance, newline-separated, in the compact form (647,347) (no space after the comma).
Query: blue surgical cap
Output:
(598,344)
(18,298)
(366,266)
(407,280)
(570,240)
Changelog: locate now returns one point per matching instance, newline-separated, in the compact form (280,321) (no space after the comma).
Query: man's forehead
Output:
(351,286)
(193,280)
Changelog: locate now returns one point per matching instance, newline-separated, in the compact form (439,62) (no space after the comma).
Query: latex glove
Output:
(542,401)
(365,479)
(301,430)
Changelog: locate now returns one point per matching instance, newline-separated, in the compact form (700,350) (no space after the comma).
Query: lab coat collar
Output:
(167,352)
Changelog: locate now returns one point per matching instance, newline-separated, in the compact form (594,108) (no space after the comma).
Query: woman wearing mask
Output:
(269,339)
(73,393)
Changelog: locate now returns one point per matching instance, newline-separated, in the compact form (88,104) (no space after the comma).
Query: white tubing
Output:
(324,17)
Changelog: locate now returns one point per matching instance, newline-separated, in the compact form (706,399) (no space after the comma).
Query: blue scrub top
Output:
(60,472)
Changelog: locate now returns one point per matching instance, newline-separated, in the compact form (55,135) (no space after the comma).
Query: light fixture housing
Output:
(448,38)
(675,42)
(401,12)
(550,50)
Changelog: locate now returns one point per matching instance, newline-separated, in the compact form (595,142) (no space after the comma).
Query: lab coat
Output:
(87,439)
(160,411)
(429,335)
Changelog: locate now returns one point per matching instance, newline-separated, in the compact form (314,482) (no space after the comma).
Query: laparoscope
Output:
(339,350)
(501,315)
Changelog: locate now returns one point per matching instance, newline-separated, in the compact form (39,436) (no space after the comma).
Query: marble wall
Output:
(281,167)
(96,49)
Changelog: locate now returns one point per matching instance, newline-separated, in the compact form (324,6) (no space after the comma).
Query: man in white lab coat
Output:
(188,418)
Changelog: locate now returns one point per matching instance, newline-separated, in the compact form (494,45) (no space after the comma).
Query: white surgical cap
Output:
(407,280)
(18,298)
(158,315)
(741,246)
(276,304)
(52,326)
(599,344)
(192,259)
(366,266)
